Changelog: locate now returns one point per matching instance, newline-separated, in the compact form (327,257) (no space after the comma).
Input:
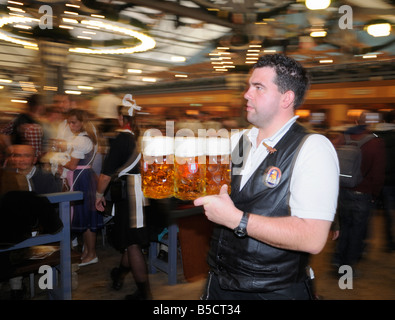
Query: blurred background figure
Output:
(22,158)
(386,131)
(106,110)
(121,175)
(63,103)
(210,122)
(356,204)
(26,128)
(81,149)
(50,122)
(188,124)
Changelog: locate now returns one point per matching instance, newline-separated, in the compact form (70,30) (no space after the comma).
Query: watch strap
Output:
(241,229)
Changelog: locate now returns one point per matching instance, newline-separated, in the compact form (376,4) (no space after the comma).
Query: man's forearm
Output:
(103,183)
(291,233)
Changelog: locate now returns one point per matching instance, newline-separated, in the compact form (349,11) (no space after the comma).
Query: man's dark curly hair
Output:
(290,75)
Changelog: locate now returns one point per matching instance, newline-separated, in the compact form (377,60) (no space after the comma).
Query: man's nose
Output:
(247,94)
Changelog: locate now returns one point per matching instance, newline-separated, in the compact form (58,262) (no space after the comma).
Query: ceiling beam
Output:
(174,8)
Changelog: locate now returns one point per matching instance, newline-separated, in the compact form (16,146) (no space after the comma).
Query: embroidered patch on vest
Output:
(272,177)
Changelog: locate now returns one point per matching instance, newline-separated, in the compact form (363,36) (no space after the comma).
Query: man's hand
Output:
(220,208)
(100,204)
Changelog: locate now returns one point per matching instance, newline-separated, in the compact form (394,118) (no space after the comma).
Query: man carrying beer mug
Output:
(283,194)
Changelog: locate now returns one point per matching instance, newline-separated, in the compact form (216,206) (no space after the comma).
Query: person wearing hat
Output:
(120,185)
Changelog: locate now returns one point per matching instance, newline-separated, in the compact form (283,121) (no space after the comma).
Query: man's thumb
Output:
(224,189)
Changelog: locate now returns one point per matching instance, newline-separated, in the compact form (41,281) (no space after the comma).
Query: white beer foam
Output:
(189,146)
(217,146)
(158,146)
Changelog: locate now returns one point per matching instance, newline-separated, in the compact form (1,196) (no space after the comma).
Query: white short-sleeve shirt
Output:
(315,178)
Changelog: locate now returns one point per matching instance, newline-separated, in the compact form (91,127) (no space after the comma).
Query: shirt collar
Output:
(253,133)
(31,173)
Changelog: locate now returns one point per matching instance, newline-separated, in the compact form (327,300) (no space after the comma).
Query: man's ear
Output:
(288,99)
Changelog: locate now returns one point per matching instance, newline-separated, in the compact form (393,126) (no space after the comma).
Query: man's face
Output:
(62,102)
(22,158)
(263,97)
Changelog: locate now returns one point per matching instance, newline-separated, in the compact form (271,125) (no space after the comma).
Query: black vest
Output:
(247,264)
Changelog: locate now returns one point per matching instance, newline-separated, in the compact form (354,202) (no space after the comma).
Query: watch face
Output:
(240,232)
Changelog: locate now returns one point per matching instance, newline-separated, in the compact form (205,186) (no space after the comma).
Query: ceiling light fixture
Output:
(22,26)
(379,29)
(135,71)
(178,59)
(317,4)
(16,9)
(71,13)
(63,26)
(85,87)
(75,92)
(149,79)
(317,34)
(146,44)
(49,88)
(12,20)
(70,5)
(68,20)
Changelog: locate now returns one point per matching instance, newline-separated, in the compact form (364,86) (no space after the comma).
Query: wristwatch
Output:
(241,229)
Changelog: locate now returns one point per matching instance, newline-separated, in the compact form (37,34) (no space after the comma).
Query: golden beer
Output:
(157,172)
(190,168)
(218,164)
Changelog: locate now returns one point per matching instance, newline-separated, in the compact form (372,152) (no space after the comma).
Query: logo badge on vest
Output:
(272,177)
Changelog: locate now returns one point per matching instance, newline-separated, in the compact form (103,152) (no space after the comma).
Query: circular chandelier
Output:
(144,42)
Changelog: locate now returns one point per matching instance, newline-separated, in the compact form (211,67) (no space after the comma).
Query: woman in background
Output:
(121,173)
(81,177)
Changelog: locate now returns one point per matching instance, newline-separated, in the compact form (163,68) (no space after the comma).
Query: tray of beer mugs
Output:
(184,167)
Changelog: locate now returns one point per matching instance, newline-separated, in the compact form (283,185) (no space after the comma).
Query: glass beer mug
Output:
(218,164)
(157,172)
(190,168)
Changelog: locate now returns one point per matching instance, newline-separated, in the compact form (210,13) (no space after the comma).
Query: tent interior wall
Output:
(333,99)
